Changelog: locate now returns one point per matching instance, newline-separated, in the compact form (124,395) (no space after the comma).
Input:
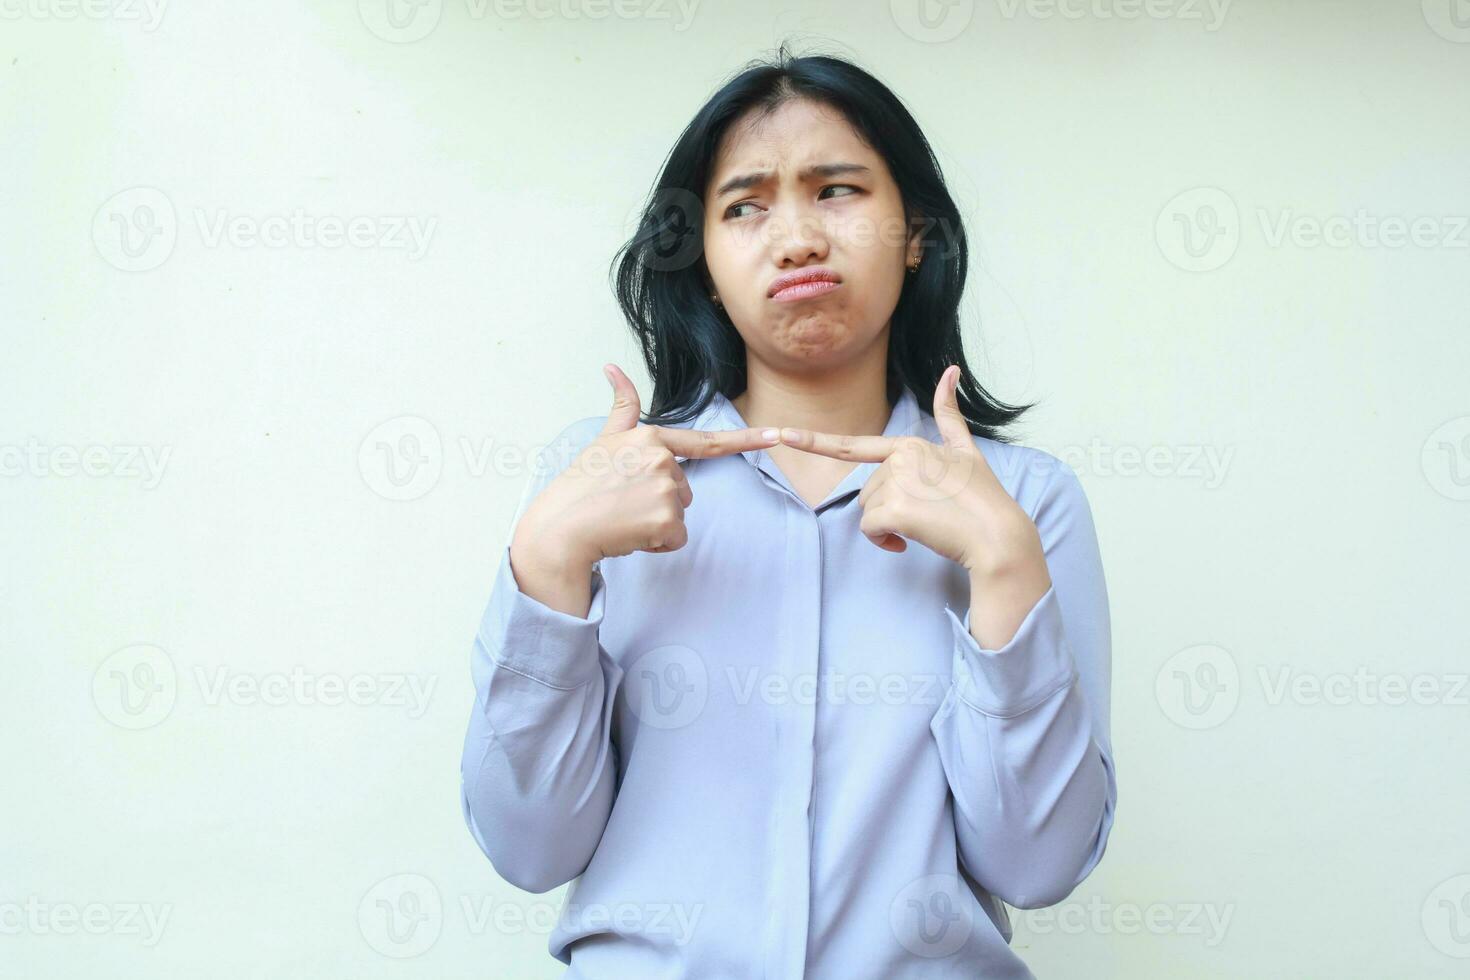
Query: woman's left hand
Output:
(943,495)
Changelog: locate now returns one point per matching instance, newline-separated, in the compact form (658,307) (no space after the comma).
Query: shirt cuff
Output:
(1033,665)
(527,636)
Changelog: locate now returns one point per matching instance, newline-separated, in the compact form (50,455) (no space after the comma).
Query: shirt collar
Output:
(905,419)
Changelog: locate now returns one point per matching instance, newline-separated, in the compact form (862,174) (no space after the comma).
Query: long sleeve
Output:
(538,769)
(1023,730)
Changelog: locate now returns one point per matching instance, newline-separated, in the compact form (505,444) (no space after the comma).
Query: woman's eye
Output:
(730,212)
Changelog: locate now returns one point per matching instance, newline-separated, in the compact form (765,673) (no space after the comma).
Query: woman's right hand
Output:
(624,492)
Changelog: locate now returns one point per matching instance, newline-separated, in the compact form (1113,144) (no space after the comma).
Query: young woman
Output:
(805,673)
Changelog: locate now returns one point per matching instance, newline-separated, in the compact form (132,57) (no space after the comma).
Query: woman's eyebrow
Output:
(818,170)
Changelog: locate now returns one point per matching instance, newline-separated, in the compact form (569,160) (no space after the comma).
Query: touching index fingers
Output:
(862,449)
(701,444)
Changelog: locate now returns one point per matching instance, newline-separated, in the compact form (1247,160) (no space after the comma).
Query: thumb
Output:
(625,411)
(947,413)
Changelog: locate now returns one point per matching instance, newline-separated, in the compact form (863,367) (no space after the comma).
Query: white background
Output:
(324,496)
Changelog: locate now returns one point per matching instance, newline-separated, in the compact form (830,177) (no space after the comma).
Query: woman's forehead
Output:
(788,146)
(794,127)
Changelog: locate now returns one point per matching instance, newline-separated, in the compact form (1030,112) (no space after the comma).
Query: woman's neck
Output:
(855,404)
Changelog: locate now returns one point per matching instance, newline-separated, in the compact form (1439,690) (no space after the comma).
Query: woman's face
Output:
(777,218)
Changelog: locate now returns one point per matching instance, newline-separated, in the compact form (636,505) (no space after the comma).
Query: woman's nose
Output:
(798,235)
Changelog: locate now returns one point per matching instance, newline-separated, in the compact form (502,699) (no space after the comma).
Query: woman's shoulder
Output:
(576,435)
(573,437)
(1032,475)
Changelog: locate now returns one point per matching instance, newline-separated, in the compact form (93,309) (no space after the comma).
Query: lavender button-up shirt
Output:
(777,753)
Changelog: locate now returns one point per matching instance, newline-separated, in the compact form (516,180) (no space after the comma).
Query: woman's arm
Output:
(1023,730)
(538,769)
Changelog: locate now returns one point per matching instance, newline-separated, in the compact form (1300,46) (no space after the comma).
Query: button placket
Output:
(806,660)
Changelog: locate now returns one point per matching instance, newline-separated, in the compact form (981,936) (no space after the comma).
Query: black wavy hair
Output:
(662,283)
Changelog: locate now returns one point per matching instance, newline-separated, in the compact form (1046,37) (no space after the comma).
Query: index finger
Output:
(702,444)
(862,449)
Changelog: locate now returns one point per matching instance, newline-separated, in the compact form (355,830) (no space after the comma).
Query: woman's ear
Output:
(914,249)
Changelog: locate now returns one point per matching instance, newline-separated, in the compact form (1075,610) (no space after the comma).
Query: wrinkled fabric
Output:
(778,752)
